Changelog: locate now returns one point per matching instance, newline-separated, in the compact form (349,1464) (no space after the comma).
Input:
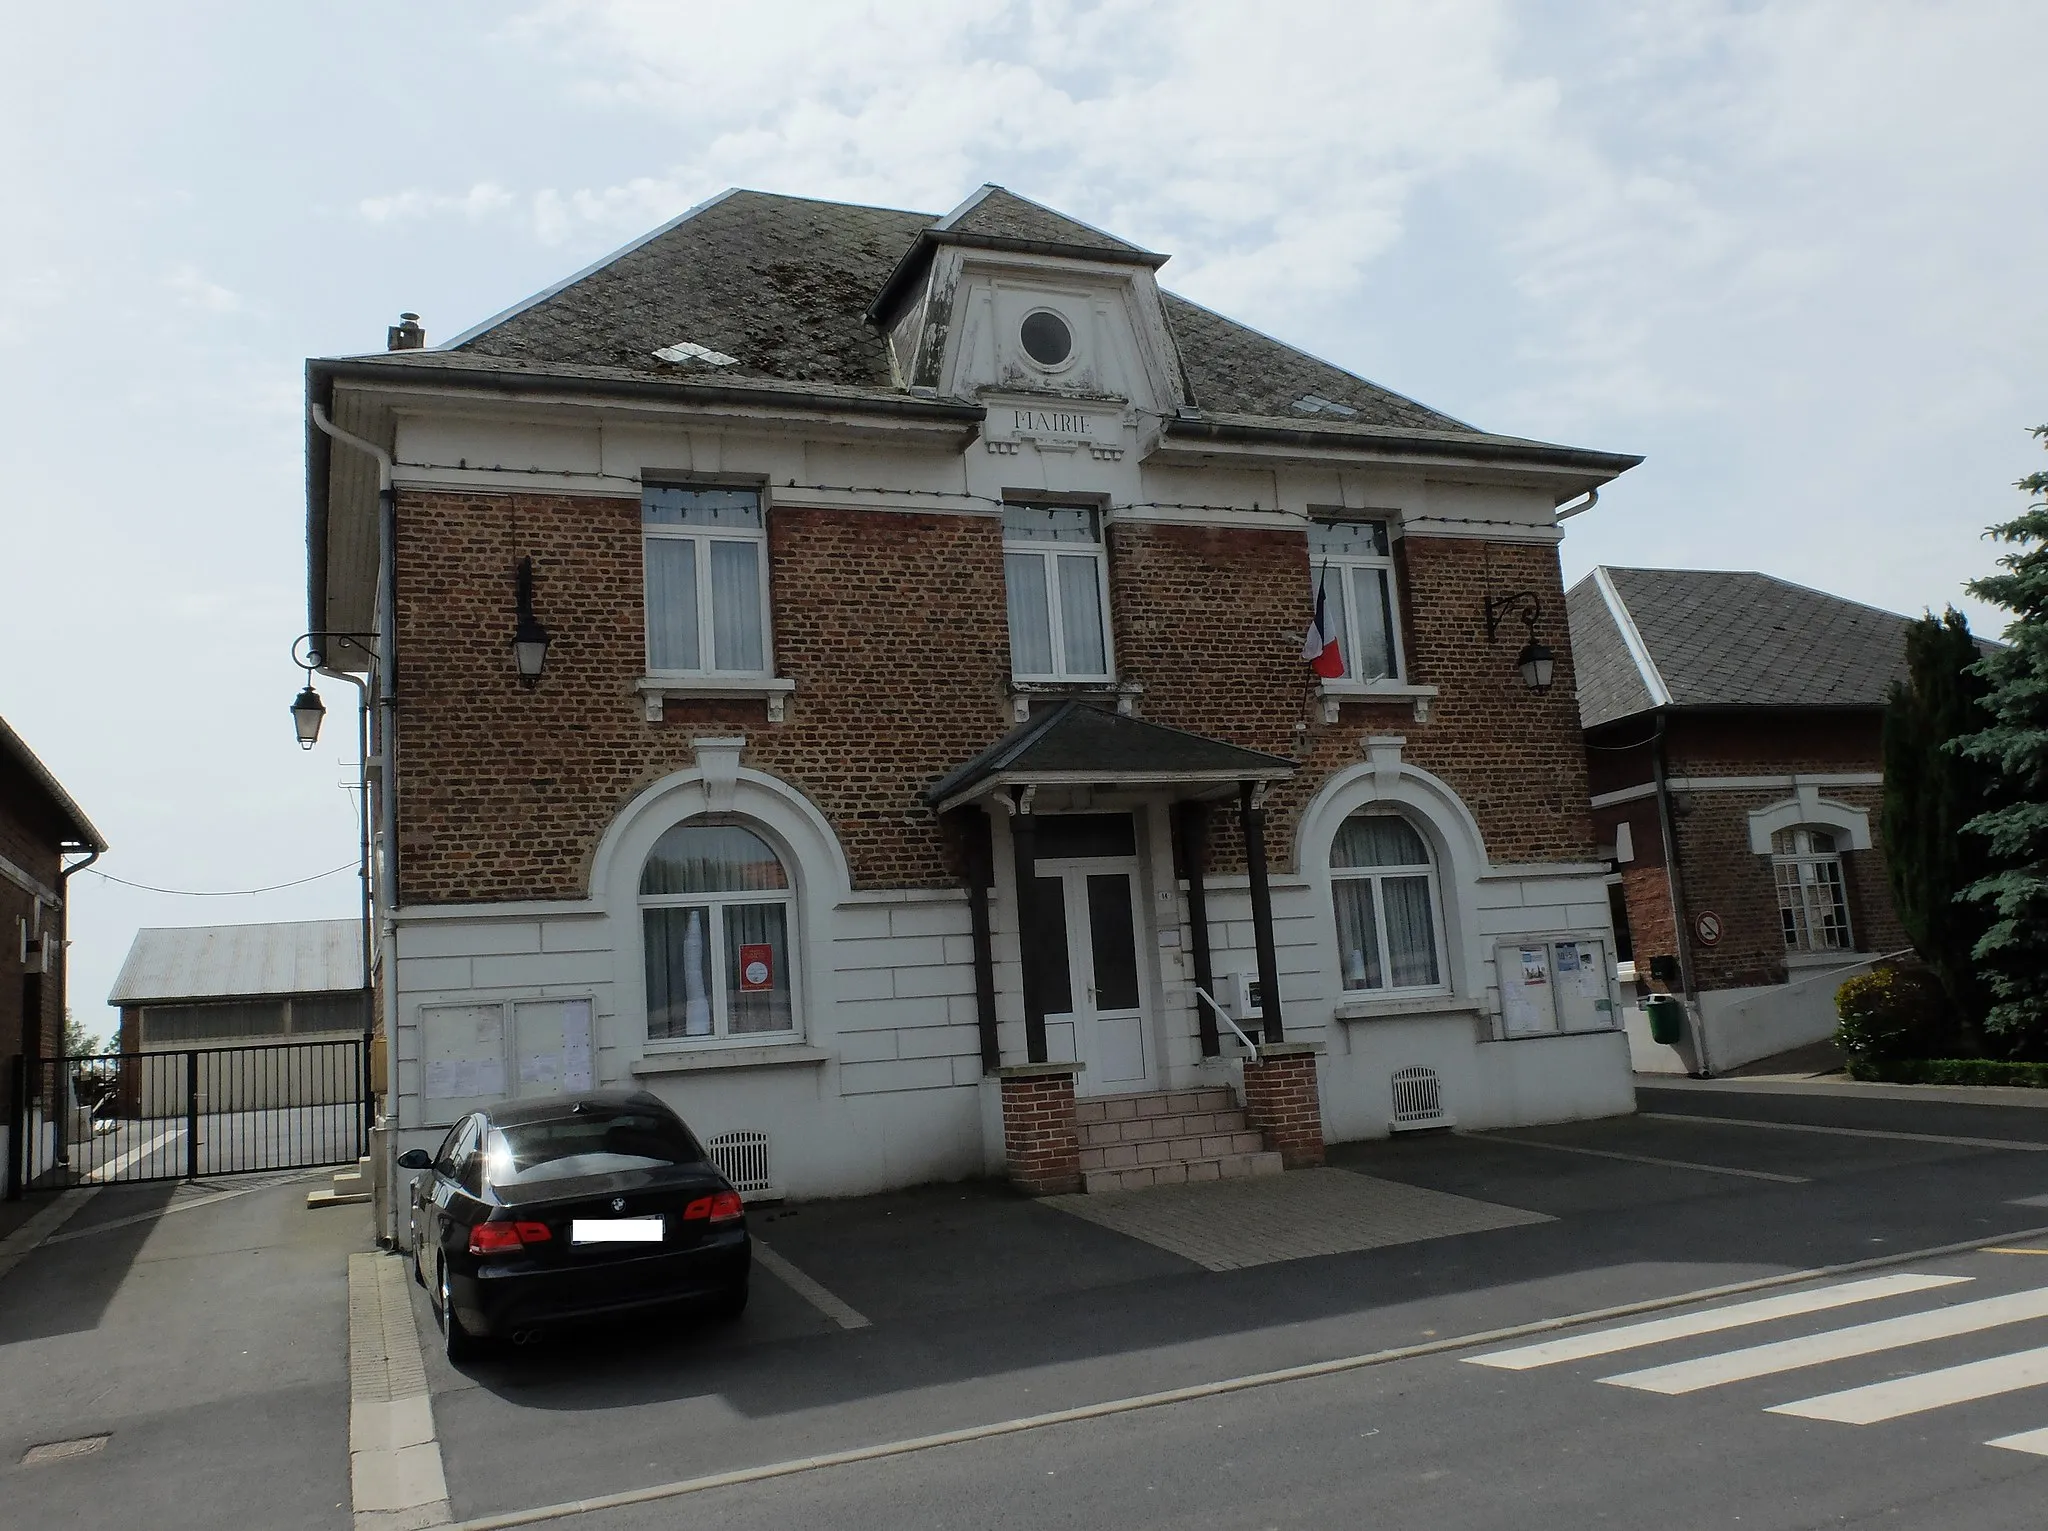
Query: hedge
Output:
(1950,1071)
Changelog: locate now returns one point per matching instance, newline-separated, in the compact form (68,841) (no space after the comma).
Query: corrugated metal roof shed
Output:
(237,961)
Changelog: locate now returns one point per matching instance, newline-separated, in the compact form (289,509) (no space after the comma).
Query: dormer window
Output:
(1046,338)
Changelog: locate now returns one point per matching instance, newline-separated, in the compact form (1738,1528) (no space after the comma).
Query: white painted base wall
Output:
(1743,1025)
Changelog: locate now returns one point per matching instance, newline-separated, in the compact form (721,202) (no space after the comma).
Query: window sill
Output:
(1552,1036)
(1042,688)
(1337,692)
(707,1060)
(1396,1009)
(1804,960)
(656,689)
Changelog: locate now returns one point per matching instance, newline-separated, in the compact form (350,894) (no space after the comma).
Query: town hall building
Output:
(843,670)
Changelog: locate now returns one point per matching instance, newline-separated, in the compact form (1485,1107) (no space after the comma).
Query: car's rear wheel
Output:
(457,1343)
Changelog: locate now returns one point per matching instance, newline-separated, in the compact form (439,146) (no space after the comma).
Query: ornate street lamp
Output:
(1536,663)
(308,713)
(529,639)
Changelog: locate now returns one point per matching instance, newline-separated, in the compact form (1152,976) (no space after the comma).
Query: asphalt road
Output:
(209,1344)
(985,1309)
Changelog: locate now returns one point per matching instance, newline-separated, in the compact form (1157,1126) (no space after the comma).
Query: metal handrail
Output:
(1249,1045)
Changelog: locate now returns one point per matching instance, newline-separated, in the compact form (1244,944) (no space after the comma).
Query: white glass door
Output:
(1093,986)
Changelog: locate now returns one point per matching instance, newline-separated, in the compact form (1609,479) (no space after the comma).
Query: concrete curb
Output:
(394,1462)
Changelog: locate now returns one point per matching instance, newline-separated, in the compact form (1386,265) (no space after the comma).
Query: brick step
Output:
(1179,1172)
(1143,1129)
(1114,1108)
(1215,1145)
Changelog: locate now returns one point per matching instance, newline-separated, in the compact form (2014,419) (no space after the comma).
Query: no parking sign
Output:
(1708,928)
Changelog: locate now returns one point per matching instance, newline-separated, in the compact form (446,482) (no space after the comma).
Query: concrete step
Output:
(1169,1150)
(1114,1108)
(1180,1172)
(1139,1129)
(336,1198)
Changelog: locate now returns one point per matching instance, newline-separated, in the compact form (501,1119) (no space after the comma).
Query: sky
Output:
(1792,253)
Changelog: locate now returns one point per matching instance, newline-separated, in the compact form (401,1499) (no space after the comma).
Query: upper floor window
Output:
(705,555)
(1351,564)
(1057,578)
(1813,901)
(717,912)
(1385,885)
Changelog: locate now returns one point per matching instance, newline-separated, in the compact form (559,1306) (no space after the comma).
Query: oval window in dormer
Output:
(1046,338)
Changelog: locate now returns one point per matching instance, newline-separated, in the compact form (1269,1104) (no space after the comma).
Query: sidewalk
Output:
(186,1353)
(1840,1088)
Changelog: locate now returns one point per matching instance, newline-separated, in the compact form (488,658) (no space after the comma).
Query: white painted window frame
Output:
(706,647)
(1830,874)
(1048,552)
(1341,565)
(1376,875)
(716,903)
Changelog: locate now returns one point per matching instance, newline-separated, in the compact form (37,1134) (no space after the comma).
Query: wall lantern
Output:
(529,639)
(1536,663)
(308,712)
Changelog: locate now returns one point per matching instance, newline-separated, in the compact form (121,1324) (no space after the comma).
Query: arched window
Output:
(1385,886)
(1812,899)
(717,909)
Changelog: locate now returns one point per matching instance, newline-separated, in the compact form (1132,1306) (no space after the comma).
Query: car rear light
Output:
(722,1208)
(496,1238)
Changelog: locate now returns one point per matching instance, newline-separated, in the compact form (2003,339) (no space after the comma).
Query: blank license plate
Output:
(615,1230)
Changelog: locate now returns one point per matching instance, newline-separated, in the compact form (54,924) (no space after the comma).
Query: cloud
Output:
(194,291)
(481,201)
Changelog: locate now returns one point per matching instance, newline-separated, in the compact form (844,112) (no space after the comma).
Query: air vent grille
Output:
(742,1157)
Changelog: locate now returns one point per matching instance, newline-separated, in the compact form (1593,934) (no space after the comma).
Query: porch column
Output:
(1194,844)
(1024,848)
(974,833)
(1251,814)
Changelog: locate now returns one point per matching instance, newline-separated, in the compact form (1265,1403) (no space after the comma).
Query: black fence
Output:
(116,1118)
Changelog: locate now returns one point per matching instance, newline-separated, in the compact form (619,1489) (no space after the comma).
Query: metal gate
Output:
(115,1118)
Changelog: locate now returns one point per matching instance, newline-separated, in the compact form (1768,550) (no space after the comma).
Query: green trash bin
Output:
(1667,1019)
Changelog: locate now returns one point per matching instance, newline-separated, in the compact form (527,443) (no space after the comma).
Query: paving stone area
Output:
(1229,1224)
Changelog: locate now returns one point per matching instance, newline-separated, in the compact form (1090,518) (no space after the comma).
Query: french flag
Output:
(1320,647)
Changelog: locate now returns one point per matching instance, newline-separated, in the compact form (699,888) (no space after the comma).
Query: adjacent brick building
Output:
(40,826)
(924,716)
(1738,719)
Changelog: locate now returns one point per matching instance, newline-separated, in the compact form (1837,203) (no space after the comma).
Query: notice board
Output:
(551,1043)
(462,1059)
(1552,984)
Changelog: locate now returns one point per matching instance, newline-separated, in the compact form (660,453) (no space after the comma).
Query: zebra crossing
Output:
(1895,1397)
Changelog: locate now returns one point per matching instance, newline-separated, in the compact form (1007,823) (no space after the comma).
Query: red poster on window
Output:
(757,968)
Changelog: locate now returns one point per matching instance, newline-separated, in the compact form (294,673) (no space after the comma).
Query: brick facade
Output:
(1718,871)
(892,626)
(1283,1101)
(1041,1148)
(30,837)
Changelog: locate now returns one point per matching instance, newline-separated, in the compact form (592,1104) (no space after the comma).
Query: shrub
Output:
(1974,1071)
(1891,1014)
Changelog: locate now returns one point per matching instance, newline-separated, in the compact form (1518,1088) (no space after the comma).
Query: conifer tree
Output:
(1930,792)
(2013,952)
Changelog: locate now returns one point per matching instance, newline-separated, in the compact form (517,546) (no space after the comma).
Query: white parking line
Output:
(1928,1390)
(1669,1164)
(840,1313)
(2033,1442)
(1580,1347)
(1846,1132)
(114,1166)
(39,1228)
(1837,1344)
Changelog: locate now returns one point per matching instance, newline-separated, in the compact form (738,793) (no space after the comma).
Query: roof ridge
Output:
(1776,579)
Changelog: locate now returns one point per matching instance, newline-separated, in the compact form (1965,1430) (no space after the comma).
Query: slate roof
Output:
(1075,739)
(241,961)
(1718,638)
(783,286)
(15,752)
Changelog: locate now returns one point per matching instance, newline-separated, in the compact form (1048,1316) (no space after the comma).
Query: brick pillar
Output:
(1041,1149)
(1281,1100)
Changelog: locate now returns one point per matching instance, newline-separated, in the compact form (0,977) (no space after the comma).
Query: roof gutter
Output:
(528,383)
(1412,443)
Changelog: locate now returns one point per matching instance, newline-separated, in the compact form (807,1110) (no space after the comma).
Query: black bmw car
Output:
(539,1212)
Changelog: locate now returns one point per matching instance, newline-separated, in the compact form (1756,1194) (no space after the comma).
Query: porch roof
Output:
(1075,744)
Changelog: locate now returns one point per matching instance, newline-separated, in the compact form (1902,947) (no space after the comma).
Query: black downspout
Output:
(1024,849)
(974,827)
(1194,837)
(64,988)
(1253,817)
(1674,887)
